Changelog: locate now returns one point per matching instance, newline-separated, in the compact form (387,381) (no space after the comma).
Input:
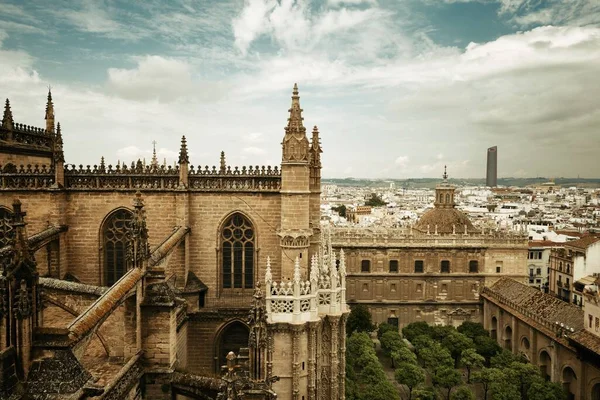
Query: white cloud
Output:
(402,161)
(162,79)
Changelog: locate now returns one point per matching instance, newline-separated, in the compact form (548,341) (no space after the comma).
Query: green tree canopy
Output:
(411,331)
(410,375)
(435,356)
(385,327)
(487,376)
(462,393)
(359,320)
(542,390)
(382,390)
(403,355)
(341,210)
(446,378)
(472,329)
(523,375)
(456,343)
(440,332)
(504,359)
(372,373)
(375,201)
(424,393)
(487,347)
(391,341)
(421,342)
(471,360)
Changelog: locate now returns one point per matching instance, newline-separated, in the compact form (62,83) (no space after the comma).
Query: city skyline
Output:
(428,83)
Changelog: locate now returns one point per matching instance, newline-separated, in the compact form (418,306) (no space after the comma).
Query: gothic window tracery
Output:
(6,229)
(115,232)
(237,253)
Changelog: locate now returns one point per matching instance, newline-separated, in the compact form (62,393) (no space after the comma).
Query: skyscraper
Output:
(491,179)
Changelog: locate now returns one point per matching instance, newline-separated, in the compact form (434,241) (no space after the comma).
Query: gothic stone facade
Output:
(433,271)
(185,306)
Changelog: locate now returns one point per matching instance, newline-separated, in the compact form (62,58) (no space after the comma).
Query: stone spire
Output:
(154,162)
(295,143)
(59,155)
(7,118)
(49,113)
(315,148)
(183,152)
(223,164)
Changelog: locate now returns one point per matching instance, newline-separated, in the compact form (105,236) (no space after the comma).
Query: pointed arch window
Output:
(237,253)
(115,233)
(6,228)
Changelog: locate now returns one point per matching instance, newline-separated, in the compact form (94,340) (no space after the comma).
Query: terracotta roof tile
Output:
(544,306)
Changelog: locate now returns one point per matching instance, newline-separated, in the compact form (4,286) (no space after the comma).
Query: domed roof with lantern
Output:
(444,218)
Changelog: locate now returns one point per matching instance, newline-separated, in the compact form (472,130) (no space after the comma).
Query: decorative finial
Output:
(183,152)
(154,162)
(49,112)
(223,165)
(295,144)
(7,119)
(295,91)
(139,249)
(445,174)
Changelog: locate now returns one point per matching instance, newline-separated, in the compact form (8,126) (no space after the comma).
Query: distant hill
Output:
(431,182)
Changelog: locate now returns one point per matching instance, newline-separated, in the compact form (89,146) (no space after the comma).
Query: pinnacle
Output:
(7,119)
(295,91)
(183,152)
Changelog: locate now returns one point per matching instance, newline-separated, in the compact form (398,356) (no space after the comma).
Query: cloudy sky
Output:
(398,88)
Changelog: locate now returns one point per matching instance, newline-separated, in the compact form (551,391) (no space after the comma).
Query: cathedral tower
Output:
(295,229)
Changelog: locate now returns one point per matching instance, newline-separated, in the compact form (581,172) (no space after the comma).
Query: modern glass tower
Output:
(491,179)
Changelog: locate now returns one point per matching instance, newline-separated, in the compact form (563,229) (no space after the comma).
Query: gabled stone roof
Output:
(531,301)
(583,243)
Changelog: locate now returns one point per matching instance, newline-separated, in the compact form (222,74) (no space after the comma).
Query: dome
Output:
(448,220)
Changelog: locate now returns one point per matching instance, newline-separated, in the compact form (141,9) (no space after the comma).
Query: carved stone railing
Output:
(26,177)
(28,135)
(237,179)
(297,300)
(125,379)
(407,237)
(109,178)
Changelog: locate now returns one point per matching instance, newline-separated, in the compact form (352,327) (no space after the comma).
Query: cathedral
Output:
(153,282)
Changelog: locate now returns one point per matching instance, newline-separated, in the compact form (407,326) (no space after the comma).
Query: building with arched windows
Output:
(148,301)
(432,271)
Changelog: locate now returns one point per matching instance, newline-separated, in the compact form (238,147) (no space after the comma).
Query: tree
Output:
(456,342)
(470,359)
(487,347)
(382,390)
(487,376)
(410,375)
(472,329)
(542,390)
(504,390)
(440,332)
(435,356)
(421,342)
(385,327)
(504,359)
(359,320)
(356,345)
(425,393)
(523,375)
(446,378)
(375,201)
(391,341)
(462,393)
(341,210)
(403,355)
(411,331)
(372,373)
